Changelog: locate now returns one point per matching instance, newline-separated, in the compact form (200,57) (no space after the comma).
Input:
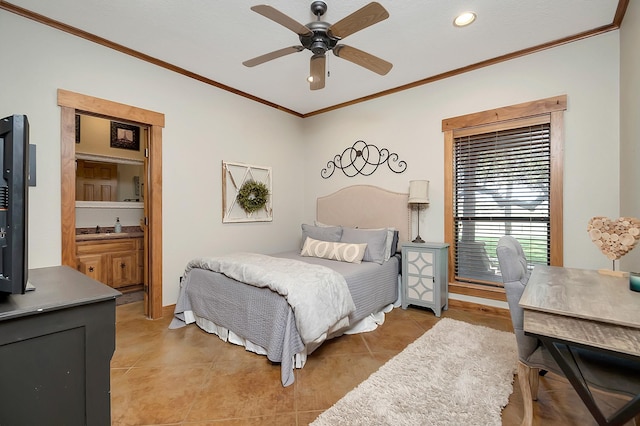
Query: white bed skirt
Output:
(369,323)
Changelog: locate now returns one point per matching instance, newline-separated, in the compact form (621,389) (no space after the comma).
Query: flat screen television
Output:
(14,200)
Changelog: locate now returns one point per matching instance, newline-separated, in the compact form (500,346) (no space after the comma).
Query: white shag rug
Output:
(455,374)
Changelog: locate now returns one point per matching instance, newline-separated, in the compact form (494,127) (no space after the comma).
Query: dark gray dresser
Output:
(56,344)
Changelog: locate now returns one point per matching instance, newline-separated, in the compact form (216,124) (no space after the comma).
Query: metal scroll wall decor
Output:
(363,159)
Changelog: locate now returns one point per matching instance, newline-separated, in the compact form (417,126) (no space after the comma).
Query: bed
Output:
(343,253)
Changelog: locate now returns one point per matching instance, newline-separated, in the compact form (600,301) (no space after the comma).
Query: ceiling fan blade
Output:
(317,71)
(276,16)
(358,20)
(273,55)
(364,59)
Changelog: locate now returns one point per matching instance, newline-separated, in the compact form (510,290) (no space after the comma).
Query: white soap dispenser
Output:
(118,227)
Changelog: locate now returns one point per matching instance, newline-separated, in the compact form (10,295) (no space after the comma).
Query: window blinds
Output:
(501,187)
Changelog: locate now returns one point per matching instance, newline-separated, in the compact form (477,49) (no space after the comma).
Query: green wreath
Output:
(252,196)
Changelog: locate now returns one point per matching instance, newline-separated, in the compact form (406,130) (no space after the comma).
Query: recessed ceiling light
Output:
(464,19)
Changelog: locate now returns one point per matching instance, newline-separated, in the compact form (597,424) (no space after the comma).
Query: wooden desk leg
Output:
(529,390)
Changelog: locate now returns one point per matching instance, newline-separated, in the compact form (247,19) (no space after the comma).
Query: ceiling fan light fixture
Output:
(464,19)
(318,47)
(320,37)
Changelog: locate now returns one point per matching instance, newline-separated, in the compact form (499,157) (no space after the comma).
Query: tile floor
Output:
(187,377)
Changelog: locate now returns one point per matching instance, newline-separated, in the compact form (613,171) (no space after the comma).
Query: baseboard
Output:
(477,307)
(168,310)
(477,290)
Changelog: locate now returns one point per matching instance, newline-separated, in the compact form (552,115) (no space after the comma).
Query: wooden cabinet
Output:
(96,181)
(91,265)
(425,276)
(123,268)
(116,262)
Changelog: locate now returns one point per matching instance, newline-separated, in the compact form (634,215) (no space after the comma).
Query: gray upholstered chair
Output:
(603,372)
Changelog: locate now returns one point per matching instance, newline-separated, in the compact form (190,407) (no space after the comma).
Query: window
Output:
(504,177)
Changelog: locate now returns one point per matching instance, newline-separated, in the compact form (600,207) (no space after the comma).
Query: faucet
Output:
(97,229)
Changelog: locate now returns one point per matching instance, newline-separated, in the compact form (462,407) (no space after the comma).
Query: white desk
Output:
(567,307)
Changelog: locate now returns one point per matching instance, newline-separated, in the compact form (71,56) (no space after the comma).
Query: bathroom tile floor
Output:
(188,377)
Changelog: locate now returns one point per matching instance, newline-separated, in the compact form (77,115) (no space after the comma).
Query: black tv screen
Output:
(14,198)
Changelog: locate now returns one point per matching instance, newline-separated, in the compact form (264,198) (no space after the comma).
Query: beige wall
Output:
(205,125)
(630,124)
(409,123)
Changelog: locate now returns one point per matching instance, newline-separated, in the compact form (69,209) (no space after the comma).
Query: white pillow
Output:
(344,252)
(388,243)
(322,225)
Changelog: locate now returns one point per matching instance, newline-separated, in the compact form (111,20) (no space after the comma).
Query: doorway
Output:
(71,103)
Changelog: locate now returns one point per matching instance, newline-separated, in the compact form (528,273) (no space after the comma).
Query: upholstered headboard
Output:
(366,206)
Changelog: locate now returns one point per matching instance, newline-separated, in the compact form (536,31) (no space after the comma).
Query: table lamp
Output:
(418,199)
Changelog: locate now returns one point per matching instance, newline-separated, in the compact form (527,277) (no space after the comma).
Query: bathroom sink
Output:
(107,235)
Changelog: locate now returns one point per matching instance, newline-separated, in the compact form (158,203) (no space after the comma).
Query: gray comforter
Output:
(318,295)
(263,317)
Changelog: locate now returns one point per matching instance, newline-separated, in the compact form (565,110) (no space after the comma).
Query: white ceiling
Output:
(212,38)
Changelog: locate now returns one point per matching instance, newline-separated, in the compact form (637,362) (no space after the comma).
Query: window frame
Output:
(548,109)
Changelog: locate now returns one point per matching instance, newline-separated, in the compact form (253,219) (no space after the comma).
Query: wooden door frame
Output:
(71,102)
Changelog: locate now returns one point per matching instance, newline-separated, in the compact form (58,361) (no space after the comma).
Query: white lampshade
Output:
(419,192)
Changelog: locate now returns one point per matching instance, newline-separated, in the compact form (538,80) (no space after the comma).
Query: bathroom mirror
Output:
(109,163)
(108,181)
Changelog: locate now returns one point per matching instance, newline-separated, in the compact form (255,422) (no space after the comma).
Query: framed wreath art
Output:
(252,196)
(246,193)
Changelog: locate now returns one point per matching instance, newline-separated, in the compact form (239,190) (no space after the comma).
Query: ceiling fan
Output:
(319,37)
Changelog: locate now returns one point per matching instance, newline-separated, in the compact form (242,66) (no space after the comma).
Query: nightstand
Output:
(425,276)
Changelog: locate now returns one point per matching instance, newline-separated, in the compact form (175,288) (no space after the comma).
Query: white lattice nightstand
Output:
(425,276)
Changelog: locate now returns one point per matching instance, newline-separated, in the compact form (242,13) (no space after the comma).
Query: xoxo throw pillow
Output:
(344,252)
